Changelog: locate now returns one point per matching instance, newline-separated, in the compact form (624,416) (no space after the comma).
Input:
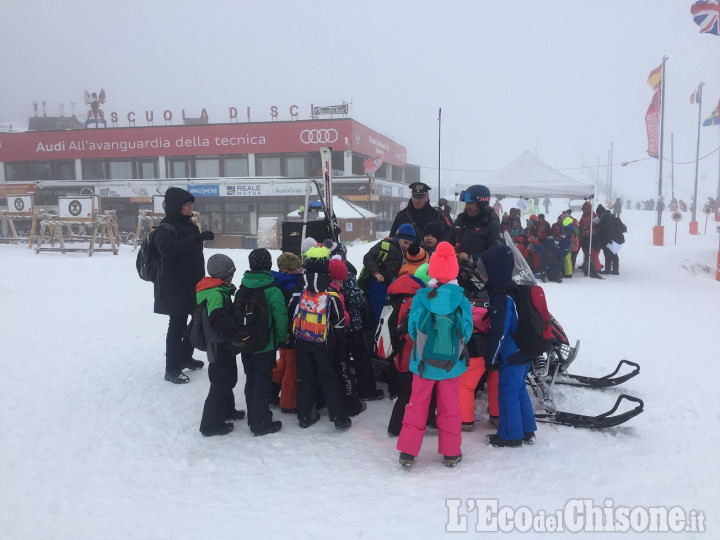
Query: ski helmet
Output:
(477,193)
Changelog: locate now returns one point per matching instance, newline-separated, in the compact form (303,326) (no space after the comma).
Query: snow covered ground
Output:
(95,444)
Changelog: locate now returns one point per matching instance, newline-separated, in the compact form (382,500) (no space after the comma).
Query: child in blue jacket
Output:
(517,421)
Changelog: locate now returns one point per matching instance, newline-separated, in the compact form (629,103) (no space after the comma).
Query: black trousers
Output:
(177,343)
(398,412)
(258,369)
(220,401)
(359,348)
(314,363)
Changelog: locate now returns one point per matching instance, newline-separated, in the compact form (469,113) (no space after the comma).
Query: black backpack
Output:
(198,325)
(534,331)
(149,261)
(252,332)
(621,229)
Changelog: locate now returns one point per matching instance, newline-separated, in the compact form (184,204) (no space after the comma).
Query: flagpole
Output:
(672,167)
(693,225)
(439,133)
(660,149)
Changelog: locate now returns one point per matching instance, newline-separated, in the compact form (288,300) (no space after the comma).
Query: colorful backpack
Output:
(310,322)
(440,340)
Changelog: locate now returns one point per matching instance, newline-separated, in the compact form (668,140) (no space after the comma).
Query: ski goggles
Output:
(467,197)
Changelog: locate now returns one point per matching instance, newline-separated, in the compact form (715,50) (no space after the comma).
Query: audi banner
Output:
(213,139)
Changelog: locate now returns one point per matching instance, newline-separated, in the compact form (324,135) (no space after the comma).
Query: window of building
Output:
(29,171)
(94,169)
(147,169)
(207,167)
(291,166)
(179,168)
(235,166)
(295,167)
(120,170)
(269,166)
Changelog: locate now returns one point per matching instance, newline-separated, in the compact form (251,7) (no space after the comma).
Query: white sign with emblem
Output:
(81,208)
(20,204)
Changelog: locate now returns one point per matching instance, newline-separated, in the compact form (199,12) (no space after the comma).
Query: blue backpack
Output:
(440,340)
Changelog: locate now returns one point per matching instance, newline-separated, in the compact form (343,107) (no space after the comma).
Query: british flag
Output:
(706,14)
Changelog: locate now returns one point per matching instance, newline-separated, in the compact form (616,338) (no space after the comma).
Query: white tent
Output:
(343,210)
(530,178)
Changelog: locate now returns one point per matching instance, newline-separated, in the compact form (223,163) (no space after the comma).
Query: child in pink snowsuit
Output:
(442,297)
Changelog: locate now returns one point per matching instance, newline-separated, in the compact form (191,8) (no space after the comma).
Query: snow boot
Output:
(176,377)
(498,442)
(272,427)
(192,364)
(379,393)
(221,430)
(313,420)
(452,461)
(494,420)
(235,415)
(406,460)
(345,423)
(468,426)
(529,438)
(544,277)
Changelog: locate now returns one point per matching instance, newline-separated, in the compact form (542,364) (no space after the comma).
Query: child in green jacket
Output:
(217,290)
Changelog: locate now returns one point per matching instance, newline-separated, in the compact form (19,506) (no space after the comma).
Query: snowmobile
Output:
(551,367)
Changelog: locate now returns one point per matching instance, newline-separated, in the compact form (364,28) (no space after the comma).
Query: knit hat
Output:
(434,228)
(220,266)
(415,254)
(338,270)
(600,209)
(307,244)
(328,243)
(405,232)
(288,261)
(317,260)
(340,250)
(532,217)
(443,263)
(422,273)
(260,259)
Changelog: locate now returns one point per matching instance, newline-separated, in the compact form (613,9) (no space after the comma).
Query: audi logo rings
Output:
(318,136)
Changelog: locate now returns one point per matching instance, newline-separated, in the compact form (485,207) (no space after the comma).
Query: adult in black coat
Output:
(182,267)
(419,212)
(477,228)
(606,233)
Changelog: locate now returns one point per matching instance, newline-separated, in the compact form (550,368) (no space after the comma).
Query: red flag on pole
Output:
(373,164)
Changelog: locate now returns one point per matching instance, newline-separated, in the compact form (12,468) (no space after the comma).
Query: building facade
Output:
(238,172)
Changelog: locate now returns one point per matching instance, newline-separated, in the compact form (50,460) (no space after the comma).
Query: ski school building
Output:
(238,172)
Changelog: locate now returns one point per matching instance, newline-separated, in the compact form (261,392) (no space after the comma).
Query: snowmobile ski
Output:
(601,421)
(611,379)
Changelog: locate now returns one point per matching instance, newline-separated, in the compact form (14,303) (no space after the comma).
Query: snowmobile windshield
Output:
(522,274)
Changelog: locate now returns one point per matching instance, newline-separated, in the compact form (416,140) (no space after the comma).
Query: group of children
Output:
(317,353)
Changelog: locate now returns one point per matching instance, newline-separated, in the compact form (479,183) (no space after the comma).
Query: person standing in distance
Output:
(477,228)
(182,266)
(419,212)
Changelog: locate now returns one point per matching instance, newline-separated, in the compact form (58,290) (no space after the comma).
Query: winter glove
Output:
(205,235)
(490,367)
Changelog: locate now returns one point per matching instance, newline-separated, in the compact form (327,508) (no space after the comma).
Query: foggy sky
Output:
(561,78)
